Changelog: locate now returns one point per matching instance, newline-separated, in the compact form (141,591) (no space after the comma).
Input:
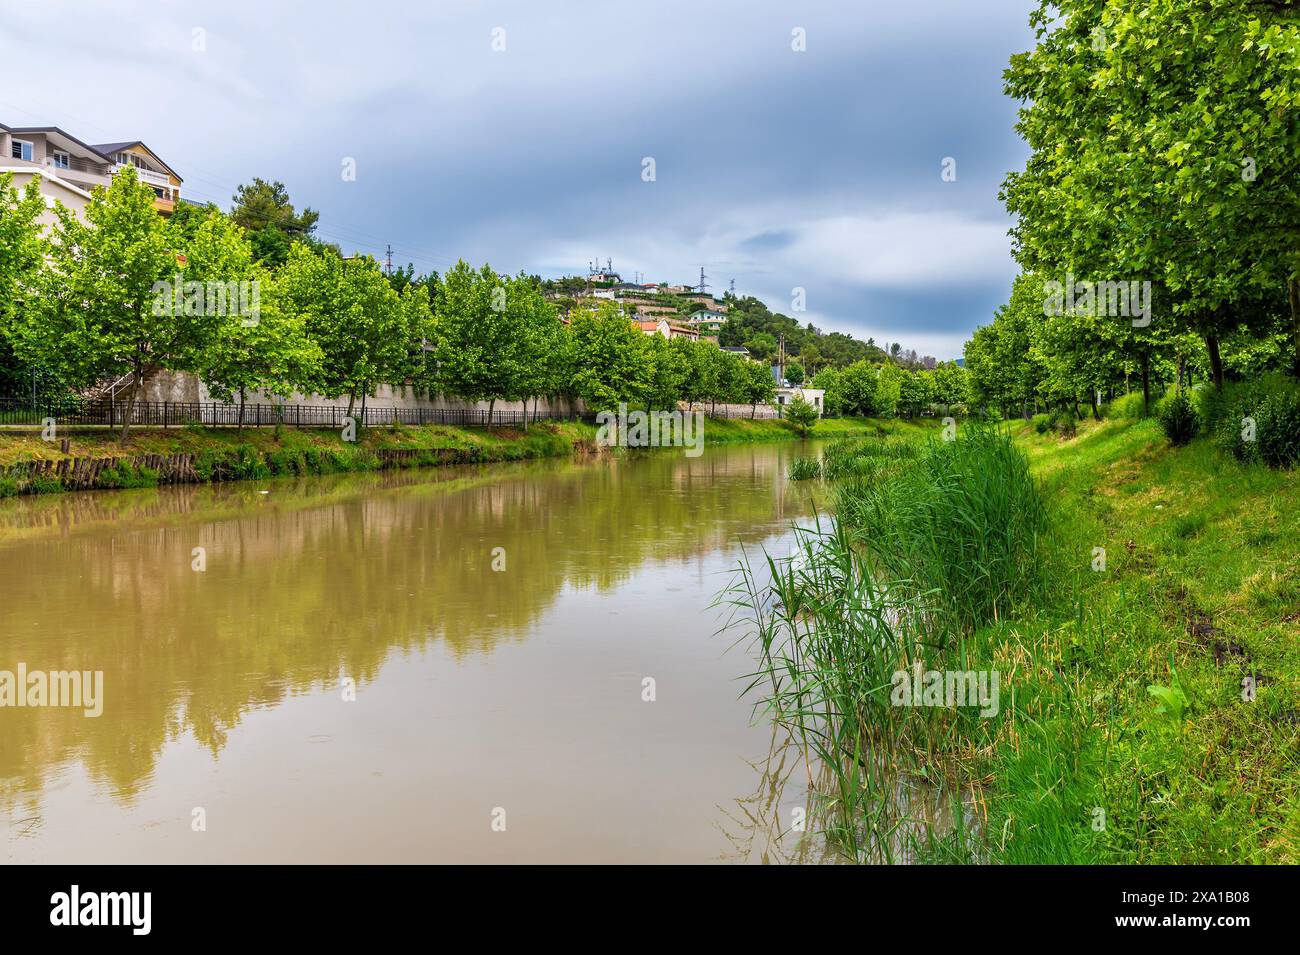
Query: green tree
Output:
(107,310)
(486,330)
(831,381)
(671,367)
(264,210)
(21,252)
(801,414)
(611,359)
(355,318)
(858,389)
(758,385)
(762,346)
(259,346)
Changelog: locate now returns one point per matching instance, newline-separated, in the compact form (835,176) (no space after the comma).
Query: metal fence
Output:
(70,411)
(165,414)
(761,413)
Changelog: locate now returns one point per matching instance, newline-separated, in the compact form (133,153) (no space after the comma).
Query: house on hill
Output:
(70,169)
(667,329)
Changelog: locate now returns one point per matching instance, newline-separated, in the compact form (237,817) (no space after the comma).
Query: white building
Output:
(814,396)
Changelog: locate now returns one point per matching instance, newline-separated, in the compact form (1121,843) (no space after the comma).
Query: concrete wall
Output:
(186,387)
(52,188)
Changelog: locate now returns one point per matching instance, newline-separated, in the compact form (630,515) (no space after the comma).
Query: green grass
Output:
(805,469)
(1122,594)
(1191,537)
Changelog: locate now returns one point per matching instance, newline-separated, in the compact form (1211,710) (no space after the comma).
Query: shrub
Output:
(1278,429)
(248,465)
(1128,407)
(287,462)
(1042,423)
(1257,420)
(44,485)
(1178,418)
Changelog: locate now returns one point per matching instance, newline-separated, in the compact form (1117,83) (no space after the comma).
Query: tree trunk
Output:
(352,400)
(492,403)
(1146,383)
(1216,361)
(365,387)
(1096,405)
(137,382)
(240,422)
(753,411)
(1293,295)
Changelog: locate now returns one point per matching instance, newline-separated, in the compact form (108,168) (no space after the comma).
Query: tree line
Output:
(125,294)
(1162,173)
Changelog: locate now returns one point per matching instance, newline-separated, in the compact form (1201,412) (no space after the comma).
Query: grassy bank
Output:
(223,454)
(1120,588)
(1201,588)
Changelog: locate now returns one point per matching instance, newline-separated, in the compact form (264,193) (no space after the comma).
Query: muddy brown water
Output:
(499,714)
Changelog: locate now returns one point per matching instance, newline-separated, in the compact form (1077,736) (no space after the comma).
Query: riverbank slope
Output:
(1182,582)
(218,454)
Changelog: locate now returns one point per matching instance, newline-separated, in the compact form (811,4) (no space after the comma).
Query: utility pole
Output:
(389,266)
(703,284)
(780,366)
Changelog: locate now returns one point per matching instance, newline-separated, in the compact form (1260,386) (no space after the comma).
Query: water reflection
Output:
(331,577)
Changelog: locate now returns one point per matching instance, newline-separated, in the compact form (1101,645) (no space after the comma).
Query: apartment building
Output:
(72,168)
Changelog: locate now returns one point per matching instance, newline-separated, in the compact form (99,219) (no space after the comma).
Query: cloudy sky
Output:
(516,132)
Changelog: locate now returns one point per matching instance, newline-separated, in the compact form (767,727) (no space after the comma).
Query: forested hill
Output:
(754,325)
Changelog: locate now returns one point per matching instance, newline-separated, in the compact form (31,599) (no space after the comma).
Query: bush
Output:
(248,465)
(1128,407)
(1278,429)
(1258,420)
(1042,423)
(1178,418)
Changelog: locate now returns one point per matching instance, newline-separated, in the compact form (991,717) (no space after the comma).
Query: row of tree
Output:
(125,294)
(888,389)
(1164,151)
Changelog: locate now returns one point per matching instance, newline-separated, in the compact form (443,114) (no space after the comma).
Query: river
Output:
(445,665)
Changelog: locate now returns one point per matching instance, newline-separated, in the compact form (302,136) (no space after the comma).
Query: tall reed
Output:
(925,549)
(962,529)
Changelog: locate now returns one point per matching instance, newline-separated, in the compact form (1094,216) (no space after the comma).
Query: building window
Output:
(21,150)
(61,160)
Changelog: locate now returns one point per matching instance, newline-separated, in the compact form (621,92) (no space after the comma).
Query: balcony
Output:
(79,172)
(147,176)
